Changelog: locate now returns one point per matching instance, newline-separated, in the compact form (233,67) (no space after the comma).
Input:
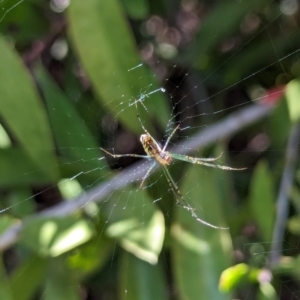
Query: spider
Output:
(164,158)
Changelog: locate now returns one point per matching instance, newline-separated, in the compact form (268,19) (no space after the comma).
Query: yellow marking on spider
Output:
(164,158)
(152,149)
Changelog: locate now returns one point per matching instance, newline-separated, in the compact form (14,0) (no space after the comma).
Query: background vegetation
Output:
(69,75)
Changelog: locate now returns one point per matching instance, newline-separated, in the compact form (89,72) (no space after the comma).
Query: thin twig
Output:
(223,129)
(284,193)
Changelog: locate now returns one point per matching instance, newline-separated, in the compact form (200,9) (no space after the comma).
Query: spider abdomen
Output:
(152,149)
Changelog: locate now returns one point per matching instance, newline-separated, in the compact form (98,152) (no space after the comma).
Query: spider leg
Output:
(170,136)
(140,120)
(123,155)
(220,166)
(210,158)
(201,161)
(142,103)
(147,174)
(180,200)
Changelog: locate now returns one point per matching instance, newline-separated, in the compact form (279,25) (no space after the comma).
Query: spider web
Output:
(199,102)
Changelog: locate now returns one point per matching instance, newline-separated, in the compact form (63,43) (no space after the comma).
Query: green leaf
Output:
(71,134)
(23,113)
(141,281)
(5,141)
(200,253)
(224,184)
(292,95)
(137,223)
(281,121)
(267,292)
(111,61)
(234,276)
(91,256)
(17,159)
(18,200)
(6,221)
(51,236)
(262,200)
(61,283)
(136,9)
(294,225)
(27,19)
(5,291)
(28,277)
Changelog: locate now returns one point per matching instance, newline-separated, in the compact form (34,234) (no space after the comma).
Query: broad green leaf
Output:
(224,183)
(294,225)
(20,202)
(5,291)
(106,48)
(285,264)
(6,221)
(69,188)
(13,159)
(28,277)
(292,96)
(140,280)
(280,121)
(5,141)
(267,292)
(23,113)
(136,9)
(232,277)
(289,265)
(159,190)
(295,263)
(137,223)
(262,200)
(72,136)
(51,236)
(61,283)
(91,256)
(69,169)
(200,253)
(25,16)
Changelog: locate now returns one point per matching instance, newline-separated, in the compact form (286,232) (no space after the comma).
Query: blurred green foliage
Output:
(70,75)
